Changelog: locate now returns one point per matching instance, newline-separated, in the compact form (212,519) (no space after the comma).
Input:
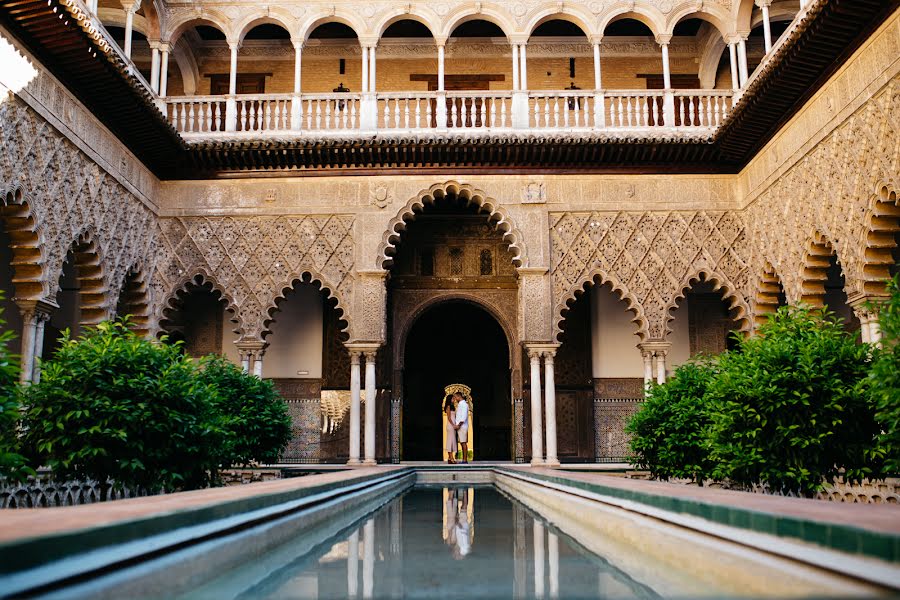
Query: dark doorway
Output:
(456,342)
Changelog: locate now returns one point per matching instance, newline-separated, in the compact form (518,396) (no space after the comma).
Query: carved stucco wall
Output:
(69,195)
(252,261)
(824,172)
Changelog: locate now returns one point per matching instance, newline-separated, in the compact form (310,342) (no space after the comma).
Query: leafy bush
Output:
(111,405)
(12,463)
(255,414)
(669,432)
(787,410)
(884,377)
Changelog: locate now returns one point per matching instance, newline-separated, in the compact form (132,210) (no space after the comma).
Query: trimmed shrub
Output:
(884,378)
(669,433)
(255,414)
(787,409)
(12,464)
(111,405)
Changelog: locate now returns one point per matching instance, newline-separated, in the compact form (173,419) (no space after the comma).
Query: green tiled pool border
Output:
(845,538)
(27,553)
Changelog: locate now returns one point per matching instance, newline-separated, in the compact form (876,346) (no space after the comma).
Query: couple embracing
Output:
(457,410)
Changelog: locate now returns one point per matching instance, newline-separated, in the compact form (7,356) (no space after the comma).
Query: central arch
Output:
(456,341)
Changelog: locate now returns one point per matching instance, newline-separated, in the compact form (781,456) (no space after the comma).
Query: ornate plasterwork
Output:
(832,192)
(73,204)
(254,260)
(648,258)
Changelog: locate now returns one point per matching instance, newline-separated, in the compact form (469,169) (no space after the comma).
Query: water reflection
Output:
(423,544)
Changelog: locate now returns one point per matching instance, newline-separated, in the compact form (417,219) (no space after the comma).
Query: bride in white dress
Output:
(450,412)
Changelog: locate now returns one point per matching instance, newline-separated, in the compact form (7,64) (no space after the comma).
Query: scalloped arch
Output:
(134,299)
(183,287)
(496,215)
(730,295)
(598,278)
(92,279)
(882,224)
(318,281)
(769,288)
(28,261)
(816,261)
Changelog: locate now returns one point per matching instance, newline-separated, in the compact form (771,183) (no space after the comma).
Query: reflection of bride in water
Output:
(458,532)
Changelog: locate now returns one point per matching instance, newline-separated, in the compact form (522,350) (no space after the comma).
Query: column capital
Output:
(250,345)
(368,42)
(154,44)
(362,347)
(518,40)
(663,39)
(165,47)
(540,271)
(731,38)
(233,45)
(298,43)
(596,39)
(655,346)
(441,41)
(763,3)
(39,309)
(858,300)
(131,6)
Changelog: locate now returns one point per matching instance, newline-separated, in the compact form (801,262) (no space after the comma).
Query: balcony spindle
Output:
(503,113)
(453,113)
(318,114)
(428,113)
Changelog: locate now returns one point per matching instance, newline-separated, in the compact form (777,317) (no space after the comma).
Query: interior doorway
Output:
(456,342)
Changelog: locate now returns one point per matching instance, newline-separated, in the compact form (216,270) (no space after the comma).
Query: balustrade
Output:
(566,110)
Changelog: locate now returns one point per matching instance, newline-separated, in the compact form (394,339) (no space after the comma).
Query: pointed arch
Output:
(769,295)
(497,216)
(599,277)
(879,244)
(312,277)
(736,304)
(28,261)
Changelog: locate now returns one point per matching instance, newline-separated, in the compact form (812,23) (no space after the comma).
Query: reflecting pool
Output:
(454,542)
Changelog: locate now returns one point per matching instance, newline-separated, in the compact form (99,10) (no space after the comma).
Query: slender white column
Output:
(660,366)
(29,334)
(298,62)
(550,408)
(732,55)
(354,408)
(440,81)
(365,69)
(372,70)
(245,361)
(537,454)
(523,76)
(515,60)
(553,563)
(742,61)
(164,72)
(258,364)
(353,565)
(538,559)
(648,367)
(232,79)
(370,409)
(667,76)
(154,67)
(598,84)
(874,330)
(42,319)
(129,29)
(369,559)
(767,27)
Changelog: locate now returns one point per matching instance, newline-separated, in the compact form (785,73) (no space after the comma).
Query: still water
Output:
(453,542)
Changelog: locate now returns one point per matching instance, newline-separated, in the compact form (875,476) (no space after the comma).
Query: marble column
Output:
(767,26)
(370,408)
(129,29)
(365,69)
(154,67)
(537,429)
(29,335)
(660,366)
(647,355)
(354,407)
(372,70)
(550,408)
(42,318)
(598,84)
(164,71)
(523,75)
(258,363)
(735,74)
(515,68)
(440,81)
(742,61)
(667,75)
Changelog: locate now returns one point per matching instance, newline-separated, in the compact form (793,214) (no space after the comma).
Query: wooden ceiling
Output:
(102,81)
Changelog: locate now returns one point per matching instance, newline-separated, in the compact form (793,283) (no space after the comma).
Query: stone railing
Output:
(315,115)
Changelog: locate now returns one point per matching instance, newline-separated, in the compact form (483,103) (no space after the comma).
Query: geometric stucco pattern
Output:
(648,258)
(70,197)
(830,192)
(252,260)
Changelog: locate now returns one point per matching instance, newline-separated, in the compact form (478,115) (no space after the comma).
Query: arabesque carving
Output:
(252,260)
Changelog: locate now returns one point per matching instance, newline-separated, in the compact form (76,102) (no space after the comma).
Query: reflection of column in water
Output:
(538,559)
(519,569)
(369,559)
(353,564)
(395,527)
(553,558)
